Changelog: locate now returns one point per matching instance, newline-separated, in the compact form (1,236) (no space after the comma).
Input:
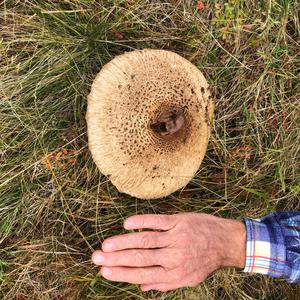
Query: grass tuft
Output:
(55,207)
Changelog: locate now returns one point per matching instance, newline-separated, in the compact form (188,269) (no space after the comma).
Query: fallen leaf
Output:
(250,108)
(247,26)
(61,159)
(284,123)
(242,152)
(200,5)
(118,35)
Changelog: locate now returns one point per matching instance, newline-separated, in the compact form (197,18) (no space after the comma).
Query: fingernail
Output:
(97,258)
(128,223)
(106,271)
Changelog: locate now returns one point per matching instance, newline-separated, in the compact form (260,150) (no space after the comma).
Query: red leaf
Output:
(200,5)
(118,35)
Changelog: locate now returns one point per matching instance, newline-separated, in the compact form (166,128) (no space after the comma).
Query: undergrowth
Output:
(55,207)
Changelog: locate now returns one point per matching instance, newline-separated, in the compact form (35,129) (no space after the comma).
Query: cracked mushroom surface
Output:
(148,121)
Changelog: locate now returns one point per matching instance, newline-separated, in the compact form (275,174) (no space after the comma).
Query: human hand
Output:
(188,248)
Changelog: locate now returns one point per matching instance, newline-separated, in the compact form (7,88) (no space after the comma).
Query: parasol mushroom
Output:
(148,121)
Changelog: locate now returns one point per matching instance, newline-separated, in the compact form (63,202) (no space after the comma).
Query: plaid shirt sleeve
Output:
(273,245)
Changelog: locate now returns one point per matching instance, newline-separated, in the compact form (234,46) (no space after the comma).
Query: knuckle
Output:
(182,256)
(178,274)
(141,276)
(176,259)
(139,258)
(144,242)
(182,273)
(184,237)
(171,263)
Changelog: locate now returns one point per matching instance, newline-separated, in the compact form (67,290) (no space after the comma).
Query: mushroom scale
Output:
(148,121)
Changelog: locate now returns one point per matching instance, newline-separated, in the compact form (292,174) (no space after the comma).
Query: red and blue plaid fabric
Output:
(273,245)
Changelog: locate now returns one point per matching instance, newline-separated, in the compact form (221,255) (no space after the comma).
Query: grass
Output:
(55,207)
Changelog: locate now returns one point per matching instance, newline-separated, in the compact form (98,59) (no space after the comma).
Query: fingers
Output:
(162,287)
(135,240)
(135,275)
(152,221)
(129,258)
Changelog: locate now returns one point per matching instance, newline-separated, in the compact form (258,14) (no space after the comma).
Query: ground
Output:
(55,207)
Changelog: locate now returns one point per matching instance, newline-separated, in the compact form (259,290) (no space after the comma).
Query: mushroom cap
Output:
(148,121)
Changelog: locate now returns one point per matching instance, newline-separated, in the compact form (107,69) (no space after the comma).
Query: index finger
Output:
(151,221)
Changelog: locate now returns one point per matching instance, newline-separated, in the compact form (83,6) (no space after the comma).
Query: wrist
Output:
(233,243)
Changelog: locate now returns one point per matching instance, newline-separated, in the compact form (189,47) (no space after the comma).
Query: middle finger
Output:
(130,258)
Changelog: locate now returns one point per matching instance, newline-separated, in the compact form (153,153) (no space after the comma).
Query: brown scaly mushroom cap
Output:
(148,122)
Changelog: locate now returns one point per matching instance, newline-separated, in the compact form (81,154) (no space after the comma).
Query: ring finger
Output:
(148,275)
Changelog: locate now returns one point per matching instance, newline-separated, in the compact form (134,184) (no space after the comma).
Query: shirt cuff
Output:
(265,251)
